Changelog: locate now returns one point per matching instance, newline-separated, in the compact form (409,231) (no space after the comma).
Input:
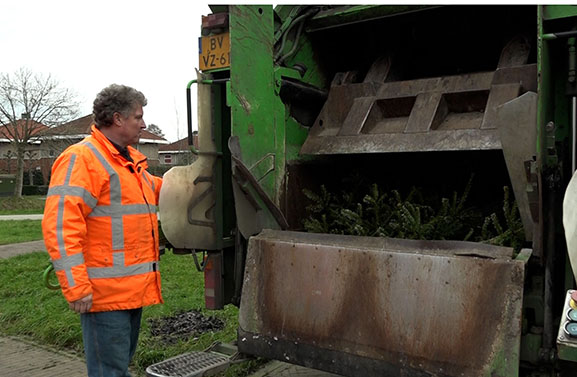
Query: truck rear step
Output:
(216,358)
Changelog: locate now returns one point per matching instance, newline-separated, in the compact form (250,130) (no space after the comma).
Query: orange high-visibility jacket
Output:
(100,225)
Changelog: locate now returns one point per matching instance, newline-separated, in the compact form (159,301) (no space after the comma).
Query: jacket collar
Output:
(137,157)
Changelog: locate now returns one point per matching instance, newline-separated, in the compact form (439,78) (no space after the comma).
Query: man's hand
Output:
(81,306)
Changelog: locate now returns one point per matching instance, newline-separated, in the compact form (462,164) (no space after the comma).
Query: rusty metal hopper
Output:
(430,114)
(435,114)
(473,111)
(364,306)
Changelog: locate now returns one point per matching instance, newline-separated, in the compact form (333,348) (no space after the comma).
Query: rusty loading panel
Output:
(442,307)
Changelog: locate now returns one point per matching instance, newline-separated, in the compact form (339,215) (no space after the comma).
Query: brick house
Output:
(33,155)
(56,139)
(178,153)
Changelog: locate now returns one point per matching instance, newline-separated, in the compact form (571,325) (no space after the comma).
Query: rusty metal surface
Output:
(360,110)
(430,110)
(441,140)
(338,104)
(432,306)
(500,94)
(517,125)
(448,84)
(379,70)
(526,75)
(414,115)
(515,53)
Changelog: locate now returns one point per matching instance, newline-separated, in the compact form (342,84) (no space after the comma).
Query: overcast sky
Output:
(149,45)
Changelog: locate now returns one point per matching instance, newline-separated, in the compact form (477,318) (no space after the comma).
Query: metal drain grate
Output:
(190,364)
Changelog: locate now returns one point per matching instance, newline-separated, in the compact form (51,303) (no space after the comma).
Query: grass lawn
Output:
(14,231)
(21,206)
(28,308)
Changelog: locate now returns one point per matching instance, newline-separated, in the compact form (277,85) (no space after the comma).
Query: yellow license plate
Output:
(214,51)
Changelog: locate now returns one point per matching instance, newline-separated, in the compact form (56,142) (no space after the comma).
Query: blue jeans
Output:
(110,341)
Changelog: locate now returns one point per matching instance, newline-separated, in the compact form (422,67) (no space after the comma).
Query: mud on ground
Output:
(183,326)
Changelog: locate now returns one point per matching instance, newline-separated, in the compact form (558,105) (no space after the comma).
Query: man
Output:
(101,231)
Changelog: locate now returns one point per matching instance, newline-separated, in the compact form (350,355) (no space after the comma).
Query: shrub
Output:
(34,190)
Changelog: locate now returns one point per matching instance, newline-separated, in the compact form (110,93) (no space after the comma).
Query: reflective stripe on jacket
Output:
(100,225)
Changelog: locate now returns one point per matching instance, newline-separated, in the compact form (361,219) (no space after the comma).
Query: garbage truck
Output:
(298,102)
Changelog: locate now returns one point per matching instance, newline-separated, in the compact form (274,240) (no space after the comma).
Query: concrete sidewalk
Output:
(24,358)
(7,251)
(11,250)
(21,217)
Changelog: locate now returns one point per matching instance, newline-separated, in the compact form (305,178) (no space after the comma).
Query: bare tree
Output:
(28,102)
(30,155)
(8,155)
(153,128)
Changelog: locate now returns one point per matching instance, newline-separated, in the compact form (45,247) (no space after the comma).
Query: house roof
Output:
(178,146)
(23,126)
(81,127)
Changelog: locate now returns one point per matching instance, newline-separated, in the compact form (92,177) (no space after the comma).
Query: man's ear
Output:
(117,119)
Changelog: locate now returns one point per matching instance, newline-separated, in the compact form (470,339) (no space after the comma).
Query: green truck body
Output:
(301,98)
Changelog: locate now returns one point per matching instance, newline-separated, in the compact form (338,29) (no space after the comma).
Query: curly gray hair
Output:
(115,99)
